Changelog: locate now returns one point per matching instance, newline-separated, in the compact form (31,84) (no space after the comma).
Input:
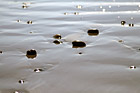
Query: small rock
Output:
(57,42)
(18,20)
(24,6)
(31,53)
(65,13)
(1,52)
(123,22)
(57,36)
(29,22)
(21,81)
(132,67)
(131,25)
(38,70)
(78,44)
(120,41)
(80,53)
(93,32)
(76,13)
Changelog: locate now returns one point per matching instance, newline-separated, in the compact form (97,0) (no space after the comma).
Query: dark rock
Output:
(132,67)
(57,42)
(21,81)
(24,6)
(38,70)
(93,32)
(123,22)
(57,36)
(80,53)
(31,53)
(131,25)
(29,22)
(1,52)
(78,44)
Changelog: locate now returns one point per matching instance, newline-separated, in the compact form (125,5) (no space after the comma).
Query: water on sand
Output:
(108,62)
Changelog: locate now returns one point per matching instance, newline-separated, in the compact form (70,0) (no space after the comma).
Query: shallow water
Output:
(109,63)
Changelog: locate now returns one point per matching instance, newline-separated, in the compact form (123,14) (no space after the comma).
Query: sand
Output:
(109,63)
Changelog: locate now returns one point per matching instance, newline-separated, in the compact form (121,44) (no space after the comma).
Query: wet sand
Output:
(51,46)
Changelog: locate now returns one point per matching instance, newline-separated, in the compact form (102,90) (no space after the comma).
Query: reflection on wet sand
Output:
(98,53)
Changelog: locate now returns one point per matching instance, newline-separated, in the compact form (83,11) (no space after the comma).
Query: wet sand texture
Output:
(69,46)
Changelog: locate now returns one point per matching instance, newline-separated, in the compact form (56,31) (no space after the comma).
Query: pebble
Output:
(29,22)
(18,20)
(38,70)
(120,41)
(21,81)
(123,22)
(57,42)
(31,53)
(131,25)
(78,44)
(80,53)
(65,13)
(132,67)
(76,13)
(57,36)
(1,52)
(93,32)
(24,6)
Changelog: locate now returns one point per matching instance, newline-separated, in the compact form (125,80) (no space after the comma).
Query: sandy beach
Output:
(69,46)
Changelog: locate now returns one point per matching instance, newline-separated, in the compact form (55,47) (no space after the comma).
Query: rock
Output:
(93,32)
(31,53)
(57,36)
(123,22)
(57,42)
(78,44)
